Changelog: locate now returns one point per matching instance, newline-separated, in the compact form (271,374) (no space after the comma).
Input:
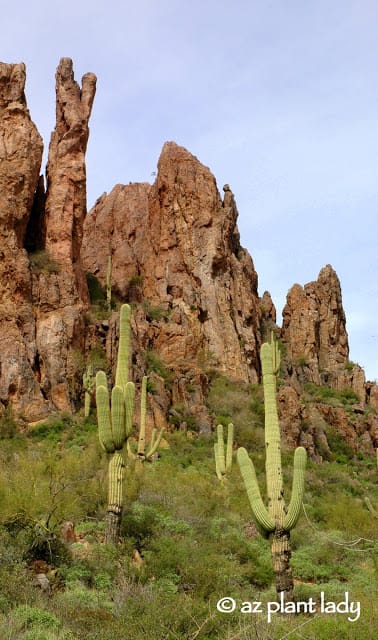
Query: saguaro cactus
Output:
(276,521)
(115,424)
(223,458)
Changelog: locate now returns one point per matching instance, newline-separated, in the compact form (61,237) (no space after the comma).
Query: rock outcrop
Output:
(60,294)
(315,336)
(314,328)
(20,160)
(43,292)
(175,247)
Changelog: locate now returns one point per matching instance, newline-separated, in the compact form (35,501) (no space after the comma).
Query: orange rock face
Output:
(41,302)
(314,326)
(175,246)
(61,295)
(20,160)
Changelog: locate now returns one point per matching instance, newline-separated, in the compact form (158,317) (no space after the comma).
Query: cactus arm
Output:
(297,492)
(247,470)
(229,448)
(118,417)
(142,429)
(130,452)
(154,447)
(101,380)
(221,459)
(152,439)
(122,372)
(217,462)
(103,418)
(129,406)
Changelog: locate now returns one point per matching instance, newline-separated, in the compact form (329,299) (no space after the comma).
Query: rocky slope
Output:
(176,256)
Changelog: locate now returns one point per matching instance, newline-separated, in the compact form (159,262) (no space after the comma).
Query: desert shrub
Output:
(242,405)
(330,396)
(97,292)
(340,450)
(8,423)
(41,262)
(155,364)
(180,414)
(42,487)
(156,313)
(34,623)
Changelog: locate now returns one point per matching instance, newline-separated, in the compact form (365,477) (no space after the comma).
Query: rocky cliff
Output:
(175,255)
(20,160)
(175,246)
(314,330)
(43,288)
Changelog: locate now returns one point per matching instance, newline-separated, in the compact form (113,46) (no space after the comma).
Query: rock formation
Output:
(61,295)
(41,298)
(175,247)
(314,332)
(20,154)
(314,326)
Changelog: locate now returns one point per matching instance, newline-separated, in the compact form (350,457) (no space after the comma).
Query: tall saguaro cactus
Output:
(115,423)
(275,521)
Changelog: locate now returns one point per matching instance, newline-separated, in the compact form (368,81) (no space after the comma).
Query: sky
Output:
(277,97)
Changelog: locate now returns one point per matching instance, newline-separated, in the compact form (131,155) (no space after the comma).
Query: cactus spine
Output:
(276,521)
(223,459)
(115,423)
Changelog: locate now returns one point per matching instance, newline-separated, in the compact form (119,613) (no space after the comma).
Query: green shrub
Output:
(156,313)
(179,414)
(155,364)
(25,616)
(97,293)
(41,262)
(8,424)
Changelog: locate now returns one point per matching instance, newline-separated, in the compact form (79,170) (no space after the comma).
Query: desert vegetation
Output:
(187,540)
(184,540)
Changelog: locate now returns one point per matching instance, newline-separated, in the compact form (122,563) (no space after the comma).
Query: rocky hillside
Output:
(171,249)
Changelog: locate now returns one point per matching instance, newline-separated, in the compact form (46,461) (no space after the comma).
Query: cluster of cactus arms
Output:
(275,521)
(88,384)
(144,451)
(114,417)
(223,455)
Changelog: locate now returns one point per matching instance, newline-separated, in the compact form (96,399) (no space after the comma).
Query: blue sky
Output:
(279,98)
